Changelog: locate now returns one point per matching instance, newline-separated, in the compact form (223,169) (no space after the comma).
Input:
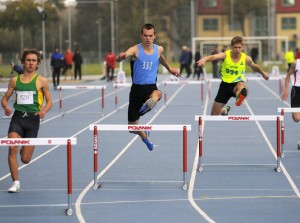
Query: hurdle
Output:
(201,83)
(244,118)
(80,87)
(183,128)
(49,142)
(116,86)
(282,111)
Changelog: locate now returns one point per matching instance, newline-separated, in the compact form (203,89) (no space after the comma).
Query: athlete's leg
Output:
(12,157)
(151,102)
(296,116)
(144,135)
(218,109)
(240,91)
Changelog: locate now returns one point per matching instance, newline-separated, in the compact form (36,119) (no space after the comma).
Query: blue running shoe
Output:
(148,106)
(147,142)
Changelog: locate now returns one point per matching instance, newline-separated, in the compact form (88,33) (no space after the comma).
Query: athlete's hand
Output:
(7,111)
(41,114)
(175,72)
(200,63)
(265,76)
(284,95)
(121,57)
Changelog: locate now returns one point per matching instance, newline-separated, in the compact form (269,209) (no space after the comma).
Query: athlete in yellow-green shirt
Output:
(232,71)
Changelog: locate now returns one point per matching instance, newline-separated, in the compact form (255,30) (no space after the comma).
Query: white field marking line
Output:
(194,172)
(82,194)
(55,147)
(272,92)
(202,198)
(291,182)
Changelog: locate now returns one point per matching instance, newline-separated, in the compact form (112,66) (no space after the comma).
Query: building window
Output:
(210,3)
(236,26)
(288,23)
(288,2)
(210,24)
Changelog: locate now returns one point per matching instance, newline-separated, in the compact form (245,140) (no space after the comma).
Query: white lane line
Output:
(194,172)
(202,198)
(285,172)
(272,92)
(83,193)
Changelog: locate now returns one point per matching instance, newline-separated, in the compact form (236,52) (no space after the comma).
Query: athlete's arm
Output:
(44,86)
(132,51)
(7,95)
(256,67)
(287,81)
(172,70)
(218,56)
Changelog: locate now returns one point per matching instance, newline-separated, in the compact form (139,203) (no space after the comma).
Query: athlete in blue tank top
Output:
(144,93)
(145,63)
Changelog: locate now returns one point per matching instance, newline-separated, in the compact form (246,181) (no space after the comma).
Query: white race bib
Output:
(25,97)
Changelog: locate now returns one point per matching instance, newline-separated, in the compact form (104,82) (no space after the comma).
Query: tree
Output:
(243,10)
(24,13)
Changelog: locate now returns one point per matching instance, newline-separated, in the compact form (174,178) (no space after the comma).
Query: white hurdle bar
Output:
(49,142)
(282,111)
(117,85)
(183,128)
(81,87)
(201,83)
(246,118)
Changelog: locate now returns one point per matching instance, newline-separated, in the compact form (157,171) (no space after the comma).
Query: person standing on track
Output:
(31,90)
(232,70)
(144,93)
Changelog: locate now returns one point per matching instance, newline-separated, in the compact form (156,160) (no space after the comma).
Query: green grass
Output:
(95,68)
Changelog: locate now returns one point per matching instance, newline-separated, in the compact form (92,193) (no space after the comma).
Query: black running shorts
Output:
(295,97)
(25,124)
(139,94)
(225,92)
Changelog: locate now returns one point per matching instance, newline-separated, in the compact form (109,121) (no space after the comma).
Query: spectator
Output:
(214,63)
(68,63)
(56,66)
(77,59)
(289,58)
(198,70)
(110,59)
(185,61)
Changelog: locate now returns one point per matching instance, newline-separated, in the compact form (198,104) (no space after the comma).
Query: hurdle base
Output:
(69,211)
(185,186)
(200,169)
(97,186)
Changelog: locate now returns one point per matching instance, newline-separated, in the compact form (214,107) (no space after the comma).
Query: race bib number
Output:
(25,97)
(147,65)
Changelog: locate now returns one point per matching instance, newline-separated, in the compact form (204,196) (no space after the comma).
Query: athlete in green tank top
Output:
(29,99)
(233,70)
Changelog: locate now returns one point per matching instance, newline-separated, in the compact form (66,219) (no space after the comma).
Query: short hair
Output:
(237,40)
(31,51)
(147,26)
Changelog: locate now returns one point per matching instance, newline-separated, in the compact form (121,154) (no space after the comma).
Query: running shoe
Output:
(147,142)
(240,98)
(298,144)
(15,188)
(148,106)
(227,109)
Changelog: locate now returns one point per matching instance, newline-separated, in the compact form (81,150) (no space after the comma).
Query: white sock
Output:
(17,182)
